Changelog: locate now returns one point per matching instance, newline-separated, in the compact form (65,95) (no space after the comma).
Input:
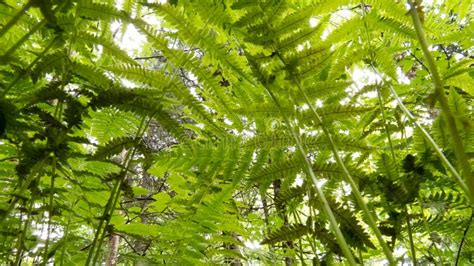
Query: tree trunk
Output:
(113,246)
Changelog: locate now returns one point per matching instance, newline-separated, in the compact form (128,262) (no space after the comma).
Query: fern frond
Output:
(107,13)
(154,79)
(388,167)
(205,39)
(114,147)
(108,45)
(94,76)
(333,112)
(277,170)
(285,233)
(356,235)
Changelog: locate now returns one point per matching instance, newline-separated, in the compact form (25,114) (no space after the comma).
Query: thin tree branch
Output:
(420,62)
(464,238)
(149,57)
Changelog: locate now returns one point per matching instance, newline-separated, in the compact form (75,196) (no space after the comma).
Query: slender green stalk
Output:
(66,236)
(23,231)
(94,251)
(29,67)
(410,237)
(23,39)
(101,223)
(458,255)
(15,18)
(458,145)
(384,120)
(428,138)
(348,177)
(50,211)
(309,170)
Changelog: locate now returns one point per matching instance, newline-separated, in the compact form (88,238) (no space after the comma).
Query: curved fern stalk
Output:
(342,242)
(387,132)
(57,114)
(29,67)
(309,170)
(23,39)
(94,251)
(459,150)
(347,175)
(17,17)
(458,254)
(427,136)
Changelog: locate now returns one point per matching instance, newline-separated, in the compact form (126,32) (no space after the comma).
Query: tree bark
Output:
(113,246)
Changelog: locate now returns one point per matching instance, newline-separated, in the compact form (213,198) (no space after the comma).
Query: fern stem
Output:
(66,236)
(23,39)
(50,211)
(384,120)
(426,135)
(348,177)
(458,255)
(101,223)
(113,199)
(309,170)
(15,18)
(459,150)
(410,237)
(23,231)
(29,67)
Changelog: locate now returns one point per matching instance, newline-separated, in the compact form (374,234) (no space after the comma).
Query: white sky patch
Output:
(200,125)
(152,20)
(331,160)
(48,77)
(99,50)
(93,140)
(248,133)
(399,251)
(313,22)
(319,103)
(312,132)
(326,33)
(393,103)
(402,78)
(355,155)
(344,132)
(364,76)
(336,19)
(193,92)
(458,56)
(127,83)
(320,183)
(302,46)
(254,244)
(345,101)
(298,181)
(132,40)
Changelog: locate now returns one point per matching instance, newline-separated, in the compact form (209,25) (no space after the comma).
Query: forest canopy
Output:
(236,132)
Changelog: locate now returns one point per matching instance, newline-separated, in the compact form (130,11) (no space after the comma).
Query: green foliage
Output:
(224,124)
